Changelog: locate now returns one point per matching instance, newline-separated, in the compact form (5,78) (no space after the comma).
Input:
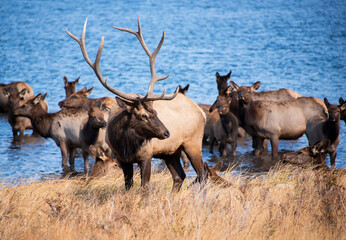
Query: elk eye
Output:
(145,116)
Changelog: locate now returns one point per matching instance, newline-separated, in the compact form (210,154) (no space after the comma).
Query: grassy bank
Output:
(286,203)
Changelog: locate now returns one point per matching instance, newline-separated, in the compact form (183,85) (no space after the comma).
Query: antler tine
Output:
(154,79)
(96,65)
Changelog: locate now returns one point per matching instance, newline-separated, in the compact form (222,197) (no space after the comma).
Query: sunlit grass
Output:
(286,203)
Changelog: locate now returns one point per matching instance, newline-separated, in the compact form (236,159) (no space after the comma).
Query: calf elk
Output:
(326,128)
(142,127)
(313,155)
(70,87)
(14,87)
(104,164)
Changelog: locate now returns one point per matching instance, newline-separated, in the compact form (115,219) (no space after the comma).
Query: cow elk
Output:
(309,156)
(19,124)
(80,99)
(70,87)
(142,127)
(326,128)
(14,87)
(64,127)
(277,120)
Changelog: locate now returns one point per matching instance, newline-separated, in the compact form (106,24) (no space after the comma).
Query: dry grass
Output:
(286,203)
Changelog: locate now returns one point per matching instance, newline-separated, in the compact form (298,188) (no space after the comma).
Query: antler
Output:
(96,67)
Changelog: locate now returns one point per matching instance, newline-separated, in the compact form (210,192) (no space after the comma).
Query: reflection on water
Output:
(284,44)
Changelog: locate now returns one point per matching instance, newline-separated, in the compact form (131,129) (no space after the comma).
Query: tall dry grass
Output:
(286,203)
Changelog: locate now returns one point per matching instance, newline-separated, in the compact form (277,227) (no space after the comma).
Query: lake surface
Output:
(299,45)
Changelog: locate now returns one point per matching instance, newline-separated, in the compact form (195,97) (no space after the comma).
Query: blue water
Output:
(299,45)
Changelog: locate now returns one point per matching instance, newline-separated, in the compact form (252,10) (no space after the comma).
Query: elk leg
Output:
(86,162)
(274,142)
(195,156)
(72,154)
(332,157)
(178,174)
(185,159)
(222,148)
(128,174)
(64,155)
(258,142)
(211,143)
(145,166)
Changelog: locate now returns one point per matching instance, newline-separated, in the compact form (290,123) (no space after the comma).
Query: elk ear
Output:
(65,80)
(37,99)
(326,102)
(87,92)
(124,104)
(217,75)
(233,86)
(43,97)
(76,81)
(255,86)
(6,92)
(22,93)
(218,166)
(184,90)
(341,101)
(229,74)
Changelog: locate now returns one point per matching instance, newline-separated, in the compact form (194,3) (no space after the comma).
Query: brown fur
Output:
(278,120)
(104,164)
(63,127)
(14,87)
(326,128)
(80,99)
(213,176)
(70,87)
(313,155)
(222,81)
(19,124)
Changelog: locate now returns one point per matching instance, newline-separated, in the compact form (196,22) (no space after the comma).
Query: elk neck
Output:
(42,121)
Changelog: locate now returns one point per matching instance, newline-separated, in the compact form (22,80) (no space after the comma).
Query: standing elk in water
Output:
(70,87)
(278,120)
(343,109)
(19,124)
(326,128)
(140,128)
(80,99)
(222,125)
(313,155)
(14,87)
(64,127)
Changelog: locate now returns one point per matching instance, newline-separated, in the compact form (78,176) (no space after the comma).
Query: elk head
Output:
(213,176)
(138,109)
(97,118)
(70,87)
(333,111)
(222,81)
(14,98)
(29,107)
(104,164)
(77,99)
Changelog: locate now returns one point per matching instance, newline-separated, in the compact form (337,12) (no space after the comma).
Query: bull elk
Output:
(14,87)
(70,87)
(142,127)
(326,128)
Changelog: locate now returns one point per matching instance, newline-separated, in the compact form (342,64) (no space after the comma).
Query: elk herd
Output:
(131,128)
